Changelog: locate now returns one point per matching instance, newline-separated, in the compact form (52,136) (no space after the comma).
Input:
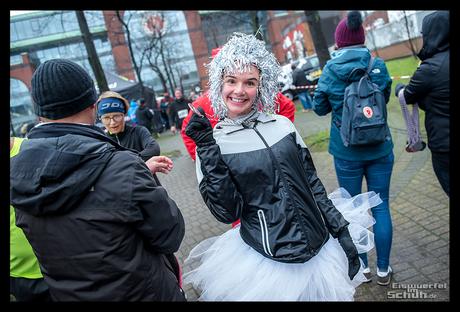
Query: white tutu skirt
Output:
(227,269)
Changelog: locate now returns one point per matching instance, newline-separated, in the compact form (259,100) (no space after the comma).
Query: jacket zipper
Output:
(116,135)
(304,230)
(264,231)
(316,204)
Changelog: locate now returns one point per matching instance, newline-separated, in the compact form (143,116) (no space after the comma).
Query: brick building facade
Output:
(279,26)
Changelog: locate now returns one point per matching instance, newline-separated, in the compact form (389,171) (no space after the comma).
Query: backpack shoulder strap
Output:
(369,68)
(352,73)
(371,63)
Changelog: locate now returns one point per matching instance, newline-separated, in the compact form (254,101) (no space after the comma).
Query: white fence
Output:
(395,32)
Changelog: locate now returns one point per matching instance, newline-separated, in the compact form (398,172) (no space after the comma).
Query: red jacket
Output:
(285,105)
(286,108)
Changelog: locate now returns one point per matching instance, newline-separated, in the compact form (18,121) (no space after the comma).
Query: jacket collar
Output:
(58,129)
(227,129)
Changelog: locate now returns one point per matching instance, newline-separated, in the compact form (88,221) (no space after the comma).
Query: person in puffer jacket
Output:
(97,221)
(292,242)
(354,163)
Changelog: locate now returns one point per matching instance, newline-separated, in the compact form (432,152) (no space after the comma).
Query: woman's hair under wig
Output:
(236,56)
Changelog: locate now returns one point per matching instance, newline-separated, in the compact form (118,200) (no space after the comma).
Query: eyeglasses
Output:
(115,118)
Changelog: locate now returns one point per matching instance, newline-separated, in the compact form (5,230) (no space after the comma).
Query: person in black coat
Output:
(164,108)
(97,221)
(144,116)
(429,87)
(178,110)
(299,79)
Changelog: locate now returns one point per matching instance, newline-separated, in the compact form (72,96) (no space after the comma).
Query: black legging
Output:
(441,169)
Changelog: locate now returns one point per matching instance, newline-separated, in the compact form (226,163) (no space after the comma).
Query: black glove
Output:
(350,251)
(199,129)
(398,88)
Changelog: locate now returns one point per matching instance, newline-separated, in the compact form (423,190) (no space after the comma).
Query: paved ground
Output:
(419,208)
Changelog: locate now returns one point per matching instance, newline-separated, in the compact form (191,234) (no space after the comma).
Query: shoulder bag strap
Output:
(371,63)
(414,140)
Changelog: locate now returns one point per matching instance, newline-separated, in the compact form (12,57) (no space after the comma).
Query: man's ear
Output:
(94,107)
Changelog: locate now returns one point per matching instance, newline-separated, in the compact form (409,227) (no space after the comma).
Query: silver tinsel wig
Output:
(236,56)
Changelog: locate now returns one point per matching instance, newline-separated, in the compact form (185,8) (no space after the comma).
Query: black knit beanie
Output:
(61,88)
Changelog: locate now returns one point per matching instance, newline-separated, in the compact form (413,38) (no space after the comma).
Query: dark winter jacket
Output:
(144,117)
(329,96)
(164,103)
(137,138)
(430,85)
(178,110)
(97,221)
(299,79)
(264,175)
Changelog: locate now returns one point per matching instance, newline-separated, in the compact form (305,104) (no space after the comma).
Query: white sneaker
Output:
(367,275)
(384,278)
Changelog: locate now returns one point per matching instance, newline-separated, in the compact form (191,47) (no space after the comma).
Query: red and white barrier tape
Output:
(314,86)
(400,77)
(304,87)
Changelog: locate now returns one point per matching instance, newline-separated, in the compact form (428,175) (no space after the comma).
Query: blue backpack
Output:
(364,115)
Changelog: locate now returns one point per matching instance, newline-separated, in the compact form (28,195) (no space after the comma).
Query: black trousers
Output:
(26,289)
(441,169)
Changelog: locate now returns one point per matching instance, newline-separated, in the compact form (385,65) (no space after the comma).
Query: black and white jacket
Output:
(264,175)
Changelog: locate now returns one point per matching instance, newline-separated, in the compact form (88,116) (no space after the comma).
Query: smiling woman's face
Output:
(239,91)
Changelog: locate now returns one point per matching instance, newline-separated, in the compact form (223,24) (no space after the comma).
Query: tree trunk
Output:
(168,63)
(157,70)
(262,20)
(162,80)
(165,66)
(180,81)
(321,48)
(92,54)
(256,25)
(414,53)
(371,32)
(133,59)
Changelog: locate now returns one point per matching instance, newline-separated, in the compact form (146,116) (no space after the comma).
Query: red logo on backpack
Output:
(367,111)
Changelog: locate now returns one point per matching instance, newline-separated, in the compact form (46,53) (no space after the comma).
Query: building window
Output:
(15,59)
(280,13)
(21,109)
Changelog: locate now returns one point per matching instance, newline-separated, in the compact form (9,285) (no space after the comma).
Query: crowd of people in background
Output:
(167,114)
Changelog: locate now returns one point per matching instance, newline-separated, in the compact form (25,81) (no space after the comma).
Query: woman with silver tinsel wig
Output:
(294,242)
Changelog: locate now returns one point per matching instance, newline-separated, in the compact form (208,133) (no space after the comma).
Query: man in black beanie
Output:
(97,221)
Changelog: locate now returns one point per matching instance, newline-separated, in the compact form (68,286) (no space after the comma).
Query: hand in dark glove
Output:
(398,88)
(346,242)
(199,129)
